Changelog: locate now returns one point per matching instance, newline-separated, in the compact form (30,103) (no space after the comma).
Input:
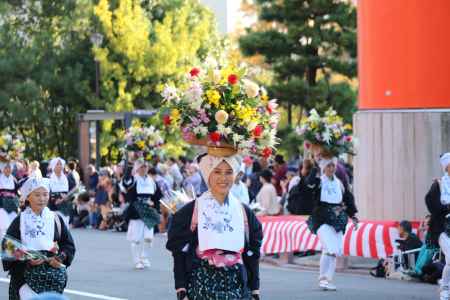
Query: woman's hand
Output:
(55,263)
(36,262)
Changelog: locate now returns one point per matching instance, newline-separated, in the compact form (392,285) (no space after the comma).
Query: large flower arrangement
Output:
(328,132)
(144,141)
(220,107)
(11,147)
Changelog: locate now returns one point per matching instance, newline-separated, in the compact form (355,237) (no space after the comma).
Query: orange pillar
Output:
(403,122)
(404,54)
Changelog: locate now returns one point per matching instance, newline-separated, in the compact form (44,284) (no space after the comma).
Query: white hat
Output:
(445,160)
(54,162)
(208,163)
(33,184)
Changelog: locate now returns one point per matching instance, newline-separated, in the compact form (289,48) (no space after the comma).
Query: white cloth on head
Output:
(445,161)
(7,182)
(37,232)
(145,185)
(138,231)
(332,241)
(331,190)
(54,162)
(445,189)
(209,162)
(220,226)
(59,184)
(325,162)
(33,184)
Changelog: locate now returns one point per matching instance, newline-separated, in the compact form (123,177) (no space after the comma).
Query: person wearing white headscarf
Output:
(334,205)
(59,188)
(9,198)
(214,238)
(39,229)
(438,203)
(240,189)
(142,195)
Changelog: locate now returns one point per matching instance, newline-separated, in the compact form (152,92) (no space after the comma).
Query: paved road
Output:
(103,268)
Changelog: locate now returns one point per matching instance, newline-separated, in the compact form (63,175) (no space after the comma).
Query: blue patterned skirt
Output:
(9,204)
(208,282)
(328,214)
(148,214)
(45,278)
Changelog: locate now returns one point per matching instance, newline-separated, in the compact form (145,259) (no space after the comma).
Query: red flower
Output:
(258,131)
(194,72)
(233,79)
(167,120)
(348,138)
(214,136)
(307,145)
(267,152)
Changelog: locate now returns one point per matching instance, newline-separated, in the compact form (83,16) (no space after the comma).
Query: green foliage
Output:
(311,46)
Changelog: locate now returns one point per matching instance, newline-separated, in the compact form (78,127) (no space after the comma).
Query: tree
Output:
(148,43)
(47,73)
(311,45)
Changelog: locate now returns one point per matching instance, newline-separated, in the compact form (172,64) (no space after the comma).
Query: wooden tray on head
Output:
(221,149)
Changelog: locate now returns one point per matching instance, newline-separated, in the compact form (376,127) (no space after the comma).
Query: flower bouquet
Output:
(174,200)
(10,147)
(143,141)
(14,250)
(328,133)
(220,108)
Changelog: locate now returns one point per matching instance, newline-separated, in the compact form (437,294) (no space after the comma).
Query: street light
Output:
(97,40)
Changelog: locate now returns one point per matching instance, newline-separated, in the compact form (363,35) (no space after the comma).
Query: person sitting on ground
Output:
(408,240)
(81,219)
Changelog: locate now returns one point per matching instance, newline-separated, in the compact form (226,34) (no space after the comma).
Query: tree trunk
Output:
(289,114)
(300,115)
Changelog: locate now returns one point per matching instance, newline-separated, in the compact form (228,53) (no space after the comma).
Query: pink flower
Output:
(307,145)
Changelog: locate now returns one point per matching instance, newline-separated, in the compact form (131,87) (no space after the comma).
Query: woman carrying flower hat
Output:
(9,199)
(215,240)
(42,231)
(59,188)
(334,204)
(438,203)
(142,195)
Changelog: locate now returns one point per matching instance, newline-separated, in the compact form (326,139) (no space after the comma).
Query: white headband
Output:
(208,163)
(33,184)
(54,162)
(445,161)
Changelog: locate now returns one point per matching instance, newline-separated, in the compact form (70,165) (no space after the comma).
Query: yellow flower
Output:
(313,125)
(213,97)
(175,115)
(348,127)
(2,141)
(140,144)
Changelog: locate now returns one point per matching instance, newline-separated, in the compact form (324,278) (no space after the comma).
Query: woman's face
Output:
(221,179)
(58,167)
(329,170)
(38,199)
(143,170)
(304,171)
(448,169)
(7,170)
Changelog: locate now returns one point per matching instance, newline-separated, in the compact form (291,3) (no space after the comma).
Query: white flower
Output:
(326,136)
(216,76)
(195,92)
(170,93)
(196,105)
(201,130)
(237,138)
(314,115)
(225,131)
(251,88)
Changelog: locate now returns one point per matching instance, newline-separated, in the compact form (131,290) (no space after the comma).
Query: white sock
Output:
(146,250)
(324,263)
(446,277)
(331,267)
(136,250)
